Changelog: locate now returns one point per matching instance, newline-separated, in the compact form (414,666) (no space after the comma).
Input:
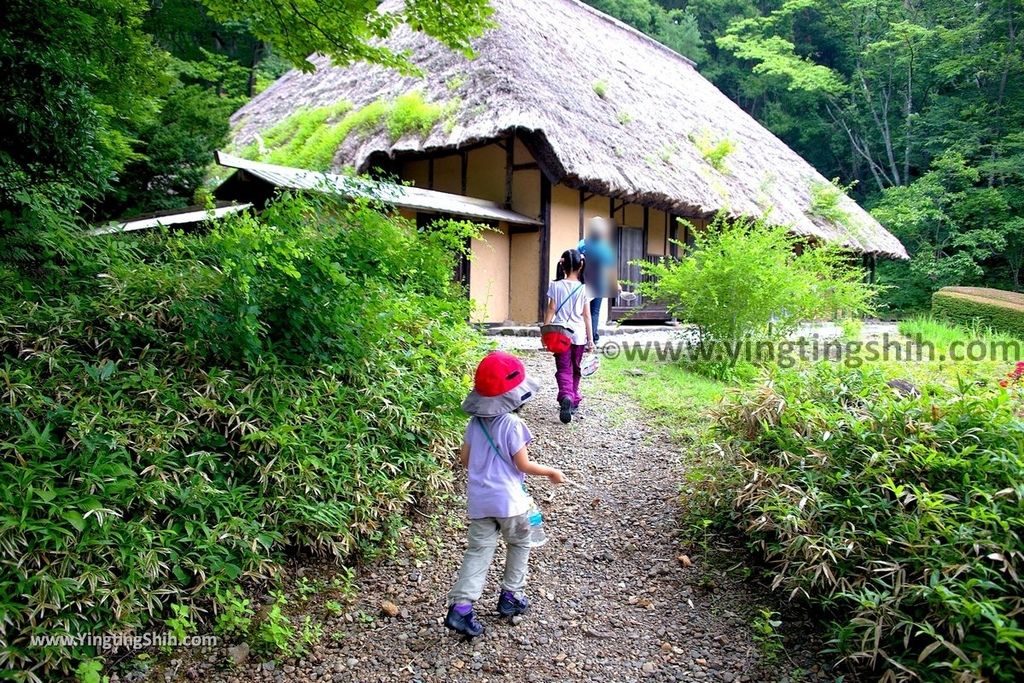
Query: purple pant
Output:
(567,373)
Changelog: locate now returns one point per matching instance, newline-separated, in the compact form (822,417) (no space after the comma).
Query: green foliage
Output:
(900,516)
(852,328)
(943,334)
(117,105)
(348,32)
(410,114)
(310,138)
(774,56)
(1001,311)
(744,278)
(234,612)
(674,27)
(275,632)
(180,625)
(79,81)
(624,118)
(600,89)
(180,411)
(951,227)
(765,627)
(826,202)
(712,151)
(91,671)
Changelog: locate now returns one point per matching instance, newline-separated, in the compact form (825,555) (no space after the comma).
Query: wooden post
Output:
(510,145)
(545,244)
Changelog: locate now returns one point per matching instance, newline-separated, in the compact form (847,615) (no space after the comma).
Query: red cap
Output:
(498,373)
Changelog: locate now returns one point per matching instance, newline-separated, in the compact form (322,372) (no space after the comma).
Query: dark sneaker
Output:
(509,605)
(466,624)
(565,410)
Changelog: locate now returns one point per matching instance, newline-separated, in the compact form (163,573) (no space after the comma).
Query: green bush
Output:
(180,412)
(748,278)
(901,516)
(1000,310)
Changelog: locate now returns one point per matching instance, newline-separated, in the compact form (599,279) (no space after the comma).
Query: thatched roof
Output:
(605,107)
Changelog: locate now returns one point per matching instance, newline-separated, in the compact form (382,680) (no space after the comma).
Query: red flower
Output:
(1003,383)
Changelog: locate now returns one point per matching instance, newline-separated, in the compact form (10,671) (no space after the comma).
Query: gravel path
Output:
(611,598)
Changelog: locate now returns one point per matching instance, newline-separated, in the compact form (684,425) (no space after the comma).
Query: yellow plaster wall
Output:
(524,276)
(565,223)
(526,193)
(657,223)
(634,216)
(417,172)
(489,276)
(486,174)
(448,174)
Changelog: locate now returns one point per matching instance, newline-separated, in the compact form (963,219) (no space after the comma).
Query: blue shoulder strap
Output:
(490,440)
(566,300)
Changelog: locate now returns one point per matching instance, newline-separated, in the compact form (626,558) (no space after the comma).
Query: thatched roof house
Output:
(601,118)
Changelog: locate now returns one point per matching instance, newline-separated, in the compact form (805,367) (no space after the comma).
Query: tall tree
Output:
(84,83)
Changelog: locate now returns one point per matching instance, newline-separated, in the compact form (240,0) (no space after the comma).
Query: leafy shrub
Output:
(900,515)
(747,278)
(179,412)
(995,308)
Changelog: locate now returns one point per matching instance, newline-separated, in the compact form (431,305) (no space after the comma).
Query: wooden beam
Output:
(647,235)
(583,200)
(464,170)
(523,229)
(545,245)
(528,166)
(509,163)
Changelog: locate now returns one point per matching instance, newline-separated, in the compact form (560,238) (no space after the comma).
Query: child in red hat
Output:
(494,452)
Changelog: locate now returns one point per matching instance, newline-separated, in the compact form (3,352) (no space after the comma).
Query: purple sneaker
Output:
(461,619)
(509,605)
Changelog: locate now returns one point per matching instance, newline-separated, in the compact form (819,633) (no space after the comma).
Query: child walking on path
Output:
(494,451)
(567,306)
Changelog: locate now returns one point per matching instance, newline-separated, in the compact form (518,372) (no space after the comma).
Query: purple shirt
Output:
(495,483)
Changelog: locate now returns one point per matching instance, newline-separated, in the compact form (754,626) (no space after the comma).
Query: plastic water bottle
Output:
(537,535)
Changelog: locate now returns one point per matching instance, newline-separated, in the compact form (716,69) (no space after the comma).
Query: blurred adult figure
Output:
(601,282)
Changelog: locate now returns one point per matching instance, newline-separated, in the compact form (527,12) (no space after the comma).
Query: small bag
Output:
(558,338)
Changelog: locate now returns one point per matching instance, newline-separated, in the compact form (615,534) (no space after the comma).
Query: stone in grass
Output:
(685,561)
(389,608)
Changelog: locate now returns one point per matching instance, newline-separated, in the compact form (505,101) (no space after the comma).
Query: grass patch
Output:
(600,89)
(310,138)
(715,152)
(826,203)
(673,397)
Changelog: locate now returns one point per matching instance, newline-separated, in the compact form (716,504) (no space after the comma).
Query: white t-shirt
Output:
(571,313)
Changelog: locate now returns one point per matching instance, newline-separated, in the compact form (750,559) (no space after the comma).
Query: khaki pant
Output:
(483,539)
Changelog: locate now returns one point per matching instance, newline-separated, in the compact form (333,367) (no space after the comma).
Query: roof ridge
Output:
(635,31)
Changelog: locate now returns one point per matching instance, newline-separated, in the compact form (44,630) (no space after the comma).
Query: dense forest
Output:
(915,108)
